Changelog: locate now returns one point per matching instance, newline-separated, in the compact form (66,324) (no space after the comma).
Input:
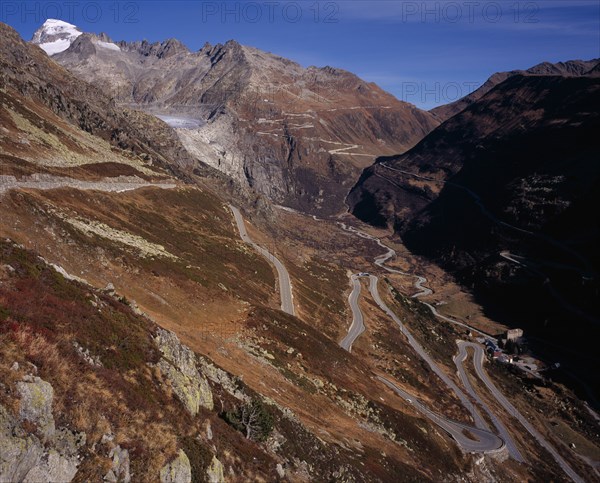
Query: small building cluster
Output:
(511,349)
(514,334)
(496,352)
(512,341)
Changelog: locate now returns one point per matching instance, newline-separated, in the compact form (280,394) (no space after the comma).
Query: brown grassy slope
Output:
(330,416)
(209,283)
(33,140)
(42,315)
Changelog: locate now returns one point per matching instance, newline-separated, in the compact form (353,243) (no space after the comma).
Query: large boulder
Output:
(119,471)
(23,457)
(36,404)
(52,467)
(214,473)
(177,471)
(19,452)
(179,366)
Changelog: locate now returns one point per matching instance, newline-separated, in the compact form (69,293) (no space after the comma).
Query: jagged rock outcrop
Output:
(222,378)
(119,471)
(36,404)
(23,455)
(19,451)
(161,50)
(177,471)
(179,366)
(215,473)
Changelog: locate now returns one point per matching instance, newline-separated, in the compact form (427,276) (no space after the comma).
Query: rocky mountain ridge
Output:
(299,136)
(55,36)
(568,68)
(28,74)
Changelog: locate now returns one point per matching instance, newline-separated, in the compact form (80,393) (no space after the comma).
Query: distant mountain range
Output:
(300,136)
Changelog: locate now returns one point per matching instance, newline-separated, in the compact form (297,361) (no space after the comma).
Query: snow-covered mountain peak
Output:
(55,36)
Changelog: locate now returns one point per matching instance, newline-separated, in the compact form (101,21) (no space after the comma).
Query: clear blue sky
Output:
(424,52)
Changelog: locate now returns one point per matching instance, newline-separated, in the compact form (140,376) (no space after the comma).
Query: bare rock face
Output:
(52,467)
(179,366)
(36,404)
(177,471)
(19,452)
(120,466)
(23,455)
(214,473)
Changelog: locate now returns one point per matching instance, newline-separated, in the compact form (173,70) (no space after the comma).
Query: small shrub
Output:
(4,313)
(253,419)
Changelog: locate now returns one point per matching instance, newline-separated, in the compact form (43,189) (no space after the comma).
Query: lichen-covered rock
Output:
(120,466)
(67,442)
(19,452)
(214,473)
(179,367)
(36,404)
(222,378)
(177,471)
(23,457)
(52,467)
(209,433)
(87,356)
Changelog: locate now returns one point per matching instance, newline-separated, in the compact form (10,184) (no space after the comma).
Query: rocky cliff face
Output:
(299,136)
(32,448)
(179,367)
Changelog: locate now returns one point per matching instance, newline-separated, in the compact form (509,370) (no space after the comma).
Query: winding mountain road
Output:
(478,363)
(478,358)
(588,271)
(457,322)
(423,291)
(285,283)
(477,439)
(358,326)
(486,441)
(418,348)
(463,434)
